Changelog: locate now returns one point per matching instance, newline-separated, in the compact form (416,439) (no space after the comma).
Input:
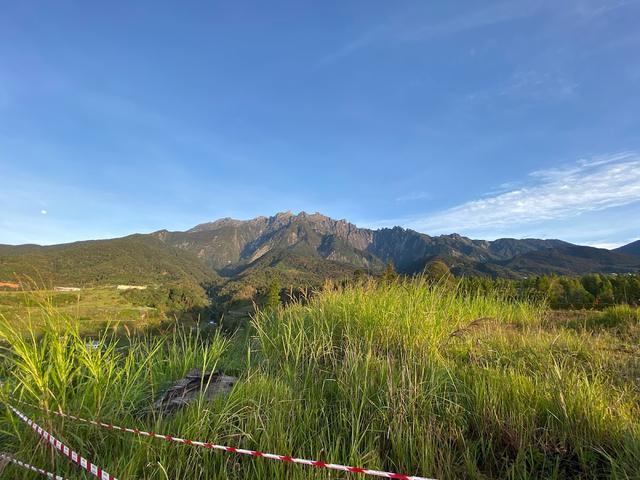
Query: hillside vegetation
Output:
(136,259)
(593,291)
(98,307)
(402,376)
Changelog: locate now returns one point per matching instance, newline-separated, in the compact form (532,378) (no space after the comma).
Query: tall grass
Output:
(415,377)
(103,377)
(406,376)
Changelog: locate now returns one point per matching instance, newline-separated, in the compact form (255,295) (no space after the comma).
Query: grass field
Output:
(93,308)
(404,377)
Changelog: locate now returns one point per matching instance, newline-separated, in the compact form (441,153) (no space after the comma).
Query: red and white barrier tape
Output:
(26,466)
(253,453)
(61,447)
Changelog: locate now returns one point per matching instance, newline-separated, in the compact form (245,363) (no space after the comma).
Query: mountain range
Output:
(300,248)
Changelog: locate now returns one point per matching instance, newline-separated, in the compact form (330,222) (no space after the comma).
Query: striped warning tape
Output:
(242,451)
(61,447)
(26,466)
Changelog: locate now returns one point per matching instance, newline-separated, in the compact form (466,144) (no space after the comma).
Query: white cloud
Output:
(607,245)
(551,194)
(43,212)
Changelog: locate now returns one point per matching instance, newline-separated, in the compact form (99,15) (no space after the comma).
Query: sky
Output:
(488,119)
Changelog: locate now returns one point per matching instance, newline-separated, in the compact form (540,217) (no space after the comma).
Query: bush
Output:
(171,298)
(620,318)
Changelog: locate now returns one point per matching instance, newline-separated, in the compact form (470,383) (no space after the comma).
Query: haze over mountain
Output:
(300,248)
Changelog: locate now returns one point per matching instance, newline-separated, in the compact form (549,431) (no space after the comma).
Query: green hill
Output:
(136,259)
(632,248)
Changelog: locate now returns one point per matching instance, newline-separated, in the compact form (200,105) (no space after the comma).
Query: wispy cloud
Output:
(590,10)
(364,40)
(404,28)
(413,196)
(420,25)
(492,14)
(539,85)
(551,194)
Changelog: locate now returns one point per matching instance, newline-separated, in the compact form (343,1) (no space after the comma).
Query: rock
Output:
(189,388)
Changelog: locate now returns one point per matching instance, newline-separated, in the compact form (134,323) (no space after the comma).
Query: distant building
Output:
(131,287)
(67,289)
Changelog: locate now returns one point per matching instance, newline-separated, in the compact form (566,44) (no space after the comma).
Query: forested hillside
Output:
(136,259)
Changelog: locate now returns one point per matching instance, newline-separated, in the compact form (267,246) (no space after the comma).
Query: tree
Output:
(438,271)
(575,295)
(389,275)
(592,283)
(359,275)
(273,295)
(605,295)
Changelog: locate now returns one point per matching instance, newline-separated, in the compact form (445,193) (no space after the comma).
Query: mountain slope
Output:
(632,248)
(136,259)
(505,248)
(573,260)
(230,246)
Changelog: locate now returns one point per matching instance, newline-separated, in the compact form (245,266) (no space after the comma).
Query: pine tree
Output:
(273,295)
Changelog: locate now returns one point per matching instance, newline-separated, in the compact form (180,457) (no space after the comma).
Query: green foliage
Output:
(110,378)
(620,318)
(92,307)
(389,275)
(176,297)
(137,259)
(22,299)
(407,376)
(462,385)
(589,291)
(272,300)
(438,271)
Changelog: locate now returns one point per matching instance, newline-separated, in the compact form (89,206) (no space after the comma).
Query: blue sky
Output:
(489,119)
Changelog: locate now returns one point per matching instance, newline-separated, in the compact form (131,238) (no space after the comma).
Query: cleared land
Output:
(92,308)
(403,376)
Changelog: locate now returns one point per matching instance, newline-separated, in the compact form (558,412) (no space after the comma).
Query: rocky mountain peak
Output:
(221,222)
(313,245)
(231,246)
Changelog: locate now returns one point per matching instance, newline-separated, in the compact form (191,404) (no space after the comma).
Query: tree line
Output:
(587,291)
(591,291)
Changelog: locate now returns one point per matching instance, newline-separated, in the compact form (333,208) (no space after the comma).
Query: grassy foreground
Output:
(404,377)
